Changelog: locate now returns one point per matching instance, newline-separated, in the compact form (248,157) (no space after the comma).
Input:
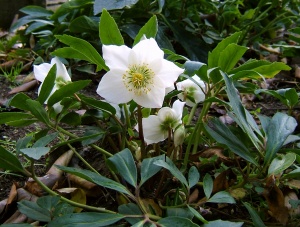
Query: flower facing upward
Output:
(62,77)
(156,127)
(190,89)
(140,74)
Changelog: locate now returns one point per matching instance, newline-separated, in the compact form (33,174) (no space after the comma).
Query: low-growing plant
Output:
(149,127)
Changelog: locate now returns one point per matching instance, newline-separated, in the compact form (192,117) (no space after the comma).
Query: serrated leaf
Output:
(96,178)
(67,90)
(34,211)
(149,169)
(193,176)
(169,165)
(124,163)
(8,161)
(88,219)
(221,197)
(149,30)
(109,32)
(84,48)
(36,152)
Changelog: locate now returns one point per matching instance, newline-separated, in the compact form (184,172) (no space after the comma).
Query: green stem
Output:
(86,207)
(76,137)
(141,133)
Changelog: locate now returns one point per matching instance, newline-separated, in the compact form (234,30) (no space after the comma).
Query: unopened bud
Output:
(179,135)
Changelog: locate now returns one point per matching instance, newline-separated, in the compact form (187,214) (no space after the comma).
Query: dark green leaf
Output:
(19,101)
(149,30)
(111,5)
(92,135)
(88,219)
(98,104)
(193,176)
(191,67)
(221,223)
(223,135)
(124,163)
(83,24)
(7,117)
(176,222)
(197,214)
(179,212)
(69,52)
(96,178)
(48,202)
(8,161)
(34,211)
(42,142)
(38,111)
(71,118)
(36,152)
(254,216)
(130,209)
(208,185)
(84,48)
(47,85)
(36,11)
(149,169)
(221,197)
(280,127)
(23,142)
(109,32)
(169,165)
(67,90)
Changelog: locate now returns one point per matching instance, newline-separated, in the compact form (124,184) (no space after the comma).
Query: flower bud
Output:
(179,135)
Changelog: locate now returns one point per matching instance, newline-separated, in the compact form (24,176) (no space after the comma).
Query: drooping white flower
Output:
(156,127)
(190,89)
(140,74)
(62,77)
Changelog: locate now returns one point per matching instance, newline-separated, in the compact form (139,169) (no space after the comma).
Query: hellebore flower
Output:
(190,89)
(156,127)
(62,77)
(140,74)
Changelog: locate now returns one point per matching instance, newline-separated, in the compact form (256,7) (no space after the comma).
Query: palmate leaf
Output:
(149,169)
(34,211)
(88,219)
(109,32)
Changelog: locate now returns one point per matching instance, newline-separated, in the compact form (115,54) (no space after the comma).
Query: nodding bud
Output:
(179,135)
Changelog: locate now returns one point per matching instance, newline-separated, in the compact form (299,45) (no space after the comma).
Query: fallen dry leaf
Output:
(291,195)
(75,194)
(275,201)
(194,195)
(24,87)
(224,180)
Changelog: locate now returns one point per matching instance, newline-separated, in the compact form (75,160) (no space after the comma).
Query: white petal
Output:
(169,89)
(168,73)
(178,108)
(154,98)
(41,71)
(61,70)
(166,112)
(199,96)
(57,107)
(112,88)
(116,56)
(152,131)
(145,51)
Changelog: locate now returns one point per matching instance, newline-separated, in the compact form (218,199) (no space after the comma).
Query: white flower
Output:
(190,89)
(140,74)
(62,77)
(156,127)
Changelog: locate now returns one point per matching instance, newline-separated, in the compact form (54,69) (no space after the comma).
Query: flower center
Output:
(139,79)
(60,82)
